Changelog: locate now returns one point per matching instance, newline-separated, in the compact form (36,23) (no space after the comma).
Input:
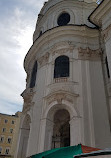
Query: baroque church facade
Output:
(67,100)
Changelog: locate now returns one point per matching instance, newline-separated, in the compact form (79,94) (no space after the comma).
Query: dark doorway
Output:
(61,130)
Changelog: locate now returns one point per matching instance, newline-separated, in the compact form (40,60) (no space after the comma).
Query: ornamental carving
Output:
(89,53)
(62,48)
(44,59)
(27,96)
(60,96)
(61,51)
(27,107)
(57,97)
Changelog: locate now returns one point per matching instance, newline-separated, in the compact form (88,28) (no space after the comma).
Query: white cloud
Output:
(16,32)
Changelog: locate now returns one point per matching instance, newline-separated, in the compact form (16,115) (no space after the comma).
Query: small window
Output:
(107,67)
(63,19)
(3,130)
(9,140)
(33,75)
(40,34)
(13,122)
(7,151)
(6,121)
(61,68)
(0,150)
(11,130)
(1,139)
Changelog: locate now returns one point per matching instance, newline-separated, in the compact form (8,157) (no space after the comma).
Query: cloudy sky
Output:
(17,24)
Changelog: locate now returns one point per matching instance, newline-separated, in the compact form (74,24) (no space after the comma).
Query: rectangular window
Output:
(1,139)
(11,130)
(7,151)
(0,150)
(9,140)
(3,129)
(13,122)
(6,121)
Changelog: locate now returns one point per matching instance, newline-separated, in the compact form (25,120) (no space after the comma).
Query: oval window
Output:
(63,19)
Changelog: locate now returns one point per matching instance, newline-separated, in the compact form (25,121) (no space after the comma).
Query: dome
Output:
(51,3)
(63,12)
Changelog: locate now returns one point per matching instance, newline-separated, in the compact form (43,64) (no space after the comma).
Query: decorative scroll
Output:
(89,53)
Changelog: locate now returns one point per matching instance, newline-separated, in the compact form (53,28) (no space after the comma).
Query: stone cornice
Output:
(55,34)
(48,6)
(28,96)
(98,14)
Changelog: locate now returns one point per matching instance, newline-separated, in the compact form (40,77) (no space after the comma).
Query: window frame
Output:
(3,130)
(11,130)
(33,75)
(0,150)
(62,67)
(107,67)
(13,122)
(2,138)
(9,140)
(8,151)
(61,20)
(6,121)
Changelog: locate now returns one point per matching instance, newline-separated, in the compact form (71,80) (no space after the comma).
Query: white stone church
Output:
(67,100)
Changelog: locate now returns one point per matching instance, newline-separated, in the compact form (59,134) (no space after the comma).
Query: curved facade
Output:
(64,100)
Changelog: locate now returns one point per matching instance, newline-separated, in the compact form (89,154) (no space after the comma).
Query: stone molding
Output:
(109,89)
(76,31)
(89,54)
(43,60)
(59,96)
(62,51)
(62,47)
(74,118)
(106,33)
(28,96)
(97,16)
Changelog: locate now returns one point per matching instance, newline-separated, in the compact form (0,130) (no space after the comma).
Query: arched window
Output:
(107,67)
(61,68)
(33,76)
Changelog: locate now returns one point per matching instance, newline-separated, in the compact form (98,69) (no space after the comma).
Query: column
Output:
(75,134)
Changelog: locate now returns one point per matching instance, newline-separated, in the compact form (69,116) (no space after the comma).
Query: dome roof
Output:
(48,4)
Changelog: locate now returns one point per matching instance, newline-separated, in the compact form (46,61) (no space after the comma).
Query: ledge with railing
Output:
(59,80)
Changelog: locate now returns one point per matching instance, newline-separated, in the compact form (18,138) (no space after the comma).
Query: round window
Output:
(63,19)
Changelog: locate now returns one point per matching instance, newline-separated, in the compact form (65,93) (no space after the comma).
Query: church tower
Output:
(64,101)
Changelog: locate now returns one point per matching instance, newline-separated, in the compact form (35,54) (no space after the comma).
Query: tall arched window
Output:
(61,68)
(33,76)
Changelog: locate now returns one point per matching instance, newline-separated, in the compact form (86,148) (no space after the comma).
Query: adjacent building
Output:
(9,128)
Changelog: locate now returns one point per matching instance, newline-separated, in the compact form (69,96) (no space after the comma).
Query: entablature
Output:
(80,36)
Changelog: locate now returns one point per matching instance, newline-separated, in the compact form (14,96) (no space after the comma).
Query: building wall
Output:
(11,125)
(82,93)
(101,17)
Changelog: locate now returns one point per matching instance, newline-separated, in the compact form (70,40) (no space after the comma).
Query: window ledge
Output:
(62,79)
